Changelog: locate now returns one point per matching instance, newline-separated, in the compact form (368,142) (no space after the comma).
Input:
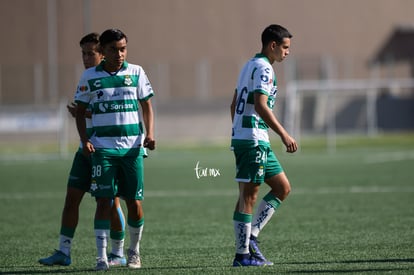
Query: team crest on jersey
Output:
(94,186)
(128,80)
(260,171)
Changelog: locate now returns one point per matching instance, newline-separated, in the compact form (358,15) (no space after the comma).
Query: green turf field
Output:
(351,212)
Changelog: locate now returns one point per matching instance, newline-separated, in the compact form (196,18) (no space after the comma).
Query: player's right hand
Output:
(72,108)
(149,143)
(88,148)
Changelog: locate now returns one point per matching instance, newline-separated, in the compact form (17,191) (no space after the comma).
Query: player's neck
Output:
(112,70)
(266,53)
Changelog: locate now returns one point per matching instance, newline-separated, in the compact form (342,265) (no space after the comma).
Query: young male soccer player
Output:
(79,182)
(251,113)
(116,90)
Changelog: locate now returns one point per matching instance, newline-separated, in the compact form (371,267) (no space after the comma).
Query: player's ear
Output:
(273,45)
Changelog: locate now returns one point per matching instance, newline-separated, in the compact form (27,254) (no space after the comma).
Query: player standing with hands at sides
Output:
(79,183)
(251,113)
(116,91)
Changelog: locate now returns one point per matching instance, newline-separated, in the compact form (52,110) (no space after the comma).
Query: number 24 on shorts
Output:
(261,157)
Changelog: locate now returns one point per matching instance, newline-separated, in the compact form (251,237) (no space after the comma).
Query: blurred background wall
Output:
(192,51)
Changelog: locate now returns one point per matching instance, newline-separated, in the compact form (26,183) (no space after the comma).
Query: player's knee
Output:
(281,191)
(287,191)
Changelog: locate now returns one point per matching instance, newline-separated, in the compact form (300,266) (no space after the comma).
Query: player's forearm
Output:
(233,106)
(81,125)
(270,119)
(148,117)
(88,114)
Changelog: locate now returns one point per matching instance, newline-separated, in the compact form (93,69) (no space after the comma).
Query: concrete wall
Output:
(182,43)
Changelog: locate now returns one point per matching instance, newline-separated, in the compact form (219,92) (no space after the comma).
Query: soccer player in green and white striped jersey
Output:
(252,116)
(79,183)
(116,90)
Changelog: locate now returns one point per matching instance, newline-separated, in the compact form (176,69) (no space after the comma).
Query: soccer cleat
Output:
(115,260)
(58,258)
(255,251)
(101,264)
(247,260)
(134,261)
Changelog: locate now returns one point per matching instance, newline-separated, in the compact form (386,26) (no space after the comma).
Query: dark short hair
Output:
(274,33)
(111,35)
(92,37)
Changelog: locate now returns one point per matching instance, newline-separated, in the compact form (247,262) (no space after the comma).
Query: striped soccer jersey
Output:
(257,76)
(114,100)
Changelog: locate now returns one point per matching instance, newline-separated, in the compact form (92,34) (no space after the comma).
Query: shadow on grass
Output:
(354,269)
(45,270)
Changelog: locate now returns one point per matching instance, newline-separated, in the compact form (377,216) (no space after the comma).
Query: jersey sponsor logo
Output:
(82,89)
(104,107)
(103,187)
(149,87)
(99,94)
(97,83)
(127,93)
(123,106)
(273,91)
(118,93)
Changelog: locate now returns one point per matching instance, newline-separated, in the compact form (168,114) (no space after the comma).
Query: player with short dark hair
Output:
(117,91)
(79,183)
(252,116)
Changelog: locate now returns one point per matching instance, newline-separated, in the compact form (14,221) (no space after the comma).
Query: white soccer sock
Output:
(65,244)
(101,236)
(242,234)
(263,215)
(117,247)
(135,237)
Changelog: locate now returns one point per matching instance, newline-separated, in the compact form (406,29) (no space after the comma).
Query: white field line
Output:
(226,193)
(389,157)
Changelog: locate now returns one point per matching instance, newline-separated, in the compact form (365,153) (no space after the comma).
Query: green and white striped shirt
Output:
(257,76)
(114,100)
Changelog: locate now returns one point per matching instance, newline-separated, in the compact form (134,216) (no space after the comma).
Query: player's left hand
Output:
(149,143)
(290,143)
